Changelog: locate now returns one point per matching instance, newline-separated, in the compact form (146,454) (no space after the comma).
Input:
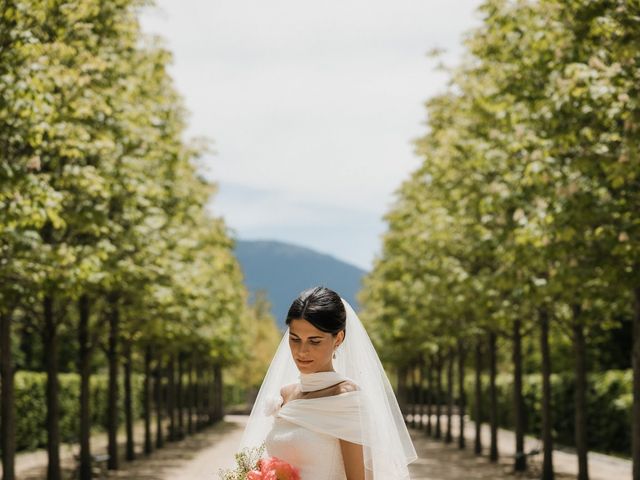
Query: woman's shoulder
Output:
(292,390)
(347,386)
(287,390)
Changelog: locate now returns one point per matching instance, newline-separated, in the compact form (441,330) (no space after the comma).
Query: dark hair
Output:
(321,307)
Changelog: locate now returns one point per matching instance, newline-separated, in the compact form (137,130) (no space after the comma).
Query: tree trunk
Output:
(159,403)
(635,362)
(579,350)
(412,395)
(180,397)
(200,405)
(450,361)
(219,386)
(402,390)
(439,395)
(190,399)
(84,367)
(53,407)
(196,397)
(421,391)
(213,395)
(477,448)
(7,400)
(148,444)
(171,398)
(547,437)
(430,395)
(520,463)
(128,402)
(206,395)
(493,402)
(461,393)
(112,398)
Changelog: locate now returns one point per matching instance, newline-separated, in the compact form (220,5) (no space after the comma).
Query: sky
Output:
(311,107)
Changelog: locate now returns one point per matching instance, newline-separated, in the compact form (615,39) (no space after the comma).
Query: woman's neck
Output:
(318,380)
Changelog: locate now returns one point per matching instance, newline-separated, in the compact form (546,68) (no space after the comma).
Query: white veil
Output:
(388,448)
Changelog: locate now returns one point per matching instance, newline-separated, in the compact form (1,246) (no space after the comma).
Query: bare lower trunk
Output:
(208,398)
(438,395)
(180,397)
(199,401)
(461,393)
(128,403)
(171,398)
(477,448)
(112,398)
(579,349)
(190,399)
(204,396)
(84,367)
(547,437)
(450,360)
(219,384)
(402,390)
(493,402)
(7,400)
(412,395)
(148,443)
(213,406)
(421,391)
(53,407)
(430,395)
(635,361)
(159,403)
(520,462)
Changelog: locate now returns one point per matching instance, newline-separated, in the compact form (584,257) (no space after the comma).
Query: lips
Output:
(305,361)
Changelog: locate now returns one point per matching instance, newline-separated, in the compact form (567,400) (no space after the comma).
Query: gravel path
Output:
(199,457)
(439,461)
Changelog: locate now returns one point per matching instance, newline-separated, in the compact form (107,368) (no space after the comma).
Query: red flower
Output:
(254,475)
(273,468)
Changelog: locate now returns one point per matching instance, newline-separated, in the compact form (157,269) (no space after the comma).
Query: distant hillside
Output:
(284,270)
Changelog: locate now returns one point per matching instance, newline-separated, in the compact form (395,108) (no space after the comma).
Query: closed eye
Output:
(312,342)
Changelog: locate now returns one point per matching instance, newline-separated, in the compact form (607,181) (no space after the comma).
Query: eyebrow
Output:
(315,336)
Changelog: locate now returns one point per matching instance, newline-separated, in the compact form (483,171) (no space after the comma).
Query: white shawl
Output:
(337,415)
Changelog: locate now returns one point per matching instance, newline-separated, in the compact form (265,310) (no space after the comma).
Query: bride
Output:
(326,405)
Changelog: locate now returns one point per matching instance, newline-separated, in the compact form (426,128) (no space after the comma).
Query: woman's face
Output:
(312,349)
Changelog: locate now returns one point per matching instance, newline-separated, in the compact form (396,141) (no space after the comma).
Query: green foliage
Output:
(31,404)
(100,189)
(609,400)
(264,336)
(526,196)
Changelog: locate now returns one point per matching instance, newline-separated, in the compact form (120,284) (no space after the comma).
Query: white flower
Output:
(272,404)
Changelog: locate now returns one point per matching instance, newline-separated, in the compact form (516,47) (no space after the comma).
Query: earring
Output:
(334,354)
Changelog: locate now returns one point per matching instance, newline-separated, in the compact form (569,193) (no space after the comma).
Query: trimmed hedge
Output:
(31,406)
(609,400)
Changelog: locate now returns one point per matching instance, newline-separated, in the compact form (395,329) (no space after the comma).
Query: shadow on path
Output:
(200,456)
(440,461)
(159,465)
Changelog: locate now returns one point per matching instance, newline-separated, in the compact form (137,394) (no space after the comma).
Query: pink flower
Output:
(254,475)
(273,468)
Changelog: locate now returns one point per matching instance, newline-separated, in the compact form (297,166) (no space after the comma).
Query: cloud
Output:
(312,105)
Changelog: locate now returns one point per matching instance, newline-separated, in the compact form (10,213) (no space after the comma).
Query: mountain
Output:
(284,270)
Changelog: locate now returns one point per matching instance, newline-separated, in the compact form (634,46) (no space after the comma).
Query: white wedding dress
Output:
(306,432)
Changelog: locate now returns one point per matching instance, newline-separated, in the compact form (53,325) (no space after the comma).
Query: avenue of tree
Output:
(106,247)
(522,218)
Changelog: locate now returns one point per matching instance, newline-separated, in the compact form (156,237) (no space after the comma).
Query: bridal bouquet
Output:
(250,466)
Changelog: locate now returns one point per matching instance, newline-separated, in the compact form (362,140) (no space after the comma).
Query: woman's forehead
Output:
(303,328)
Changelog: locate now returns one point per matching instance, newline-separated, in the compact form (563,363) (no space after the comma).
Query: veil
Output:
(387,446)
